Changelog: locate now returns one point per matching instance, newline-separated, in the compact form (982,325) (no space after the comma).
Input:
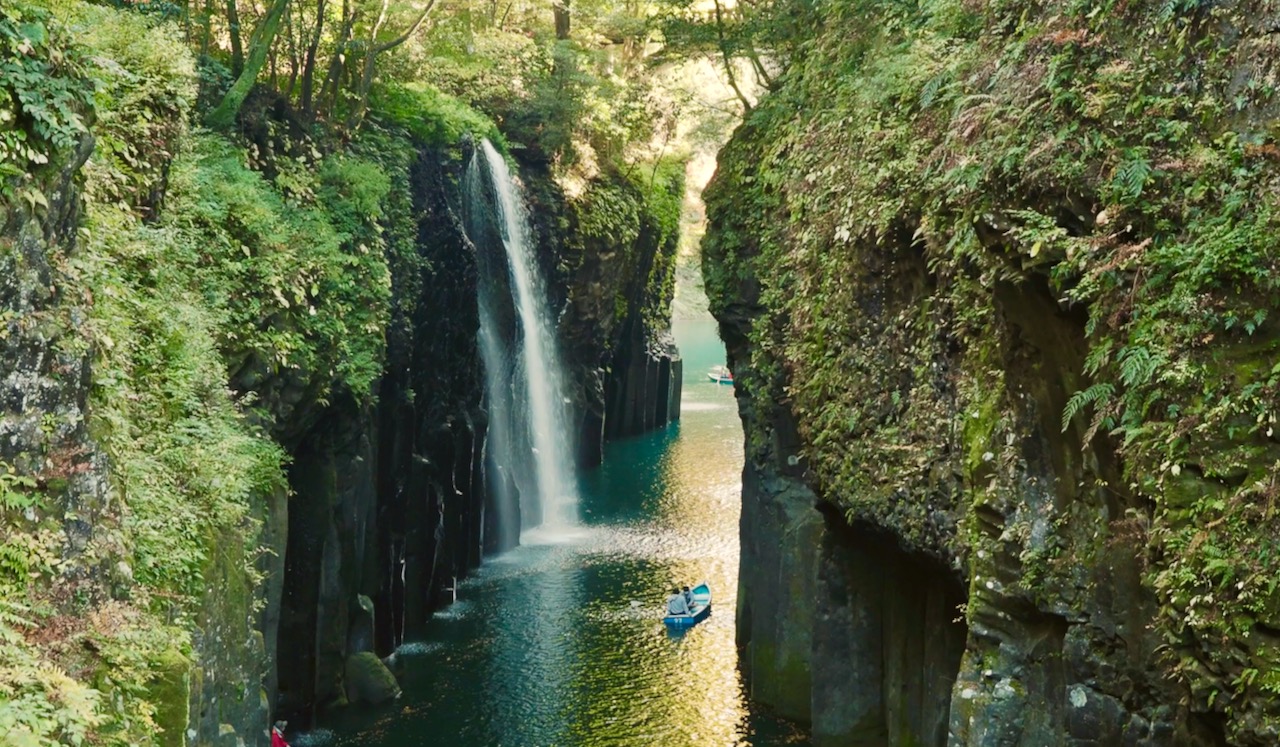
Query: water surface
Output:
(559,642)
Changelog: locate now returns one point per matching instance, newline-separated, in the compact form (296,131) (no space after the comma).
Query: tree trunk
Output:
(207,32)
(309,63)
(329,90)
(560,8)
(370,59)
(233,27)
(728,61)
(259,45)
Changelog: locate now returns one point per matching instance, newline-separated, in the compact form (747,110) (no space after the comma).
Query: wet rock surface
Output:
(369,680)
(953,563)
(393,502)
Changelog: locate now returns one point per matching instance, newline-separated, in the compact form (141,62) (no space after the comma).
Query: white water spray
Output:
(538,384)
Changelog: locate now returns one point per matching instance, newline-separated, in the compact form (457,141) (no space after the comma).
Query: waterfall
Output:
(530,438)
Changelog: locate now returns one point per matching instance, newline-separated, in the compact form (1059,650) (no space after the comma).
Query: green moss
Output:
(633,210)
(170,691)
(368,680)
(980,432)
(905,171)
(781,679)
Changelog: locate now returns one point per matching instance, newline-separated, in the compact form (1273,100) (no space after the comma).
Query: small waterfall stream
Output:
(530,438)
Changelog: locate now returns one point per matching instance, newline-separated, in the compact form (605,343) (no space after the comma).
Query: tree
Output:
(309,63)
(233,29)
(263,37)
(560,9)
(374,48)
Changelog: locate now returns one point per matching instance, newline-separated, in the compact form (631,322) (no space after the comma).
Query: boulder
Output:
(369,680)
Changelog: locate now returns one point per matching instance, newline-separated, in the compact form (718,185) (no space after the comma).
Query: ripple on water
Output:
(559,642)
(419,648)
(703,406)
(315,738)
(456,611)
(561,535)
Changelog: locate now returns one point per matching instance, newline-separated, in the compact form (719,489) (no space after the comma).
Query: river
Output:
(559,644)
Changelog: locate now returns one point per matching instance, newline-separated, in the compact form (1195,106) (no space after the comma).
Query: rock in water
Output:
(369,681)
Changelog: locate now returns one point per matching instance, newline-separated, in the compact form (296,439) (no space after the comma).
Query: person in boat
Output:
(676,603)
(688,597)
(277,734)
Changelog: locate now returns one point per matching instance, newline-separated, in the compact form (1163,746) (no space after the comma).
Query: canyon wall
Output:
(243,431)
(998,288)
(398,509)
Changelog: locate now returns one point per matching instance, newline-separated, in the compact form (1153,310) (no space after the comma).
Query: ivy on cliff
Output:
(283,281)
(45,96)
(224,287)
(1120,155)
(84,652)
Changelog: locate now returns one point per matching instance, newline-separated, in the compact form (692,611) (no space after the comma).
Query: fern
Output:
(13,615)
(1098,357)
(1171,9)
(931,90)
(1252,324)
(1132,175)
(1137,366)
(1094,395)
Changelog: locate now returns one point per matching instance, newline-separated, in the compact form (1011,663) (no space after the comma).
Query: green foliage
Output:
(144,87)
(304,288)
(45,95)
(43,705)
(560,100)
(219,300)
(433,117)
(15,490)
(354,192)
(1095,396)
(489,69)
(960,155)
(186,462)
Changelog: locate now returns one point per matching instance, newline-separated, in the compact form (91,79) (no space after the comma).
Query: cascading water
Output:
(529,435)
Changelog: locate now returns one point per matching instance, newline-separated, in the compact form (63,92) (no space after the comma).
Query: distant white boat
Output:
(721,375)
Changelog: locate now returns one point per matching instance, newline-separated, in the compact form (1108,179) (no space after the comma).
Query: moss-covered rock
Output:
(170,691)
(368,680)
(1010,269)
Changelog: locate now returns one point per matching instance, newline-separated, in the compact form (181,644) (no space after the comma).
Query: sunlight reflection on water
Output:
(560,642)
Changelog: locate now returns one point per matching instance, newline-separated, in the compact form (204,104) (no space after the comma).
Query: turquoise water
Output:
(559,643)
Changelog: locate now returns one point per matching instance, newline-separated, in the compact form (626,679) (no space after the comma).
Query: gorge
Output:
(338,381)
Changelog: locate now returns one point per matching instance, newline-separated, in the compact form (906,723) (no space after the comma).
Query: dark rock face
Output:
(615,286)
(644,391)
(392,501)
(44,372)
(985,510)
(838,626)
(895,615)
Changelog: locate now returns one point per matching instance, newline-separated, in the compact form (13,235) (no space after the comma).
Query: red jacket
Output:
(277,739)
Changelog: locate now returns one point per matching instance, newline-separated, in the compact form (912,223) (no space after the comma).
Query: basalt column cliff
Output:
(398,496)
(999,283)
(242,422)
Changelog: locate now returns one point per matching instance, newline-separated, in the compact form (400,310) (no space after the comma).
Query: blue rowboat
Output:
(698,611)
